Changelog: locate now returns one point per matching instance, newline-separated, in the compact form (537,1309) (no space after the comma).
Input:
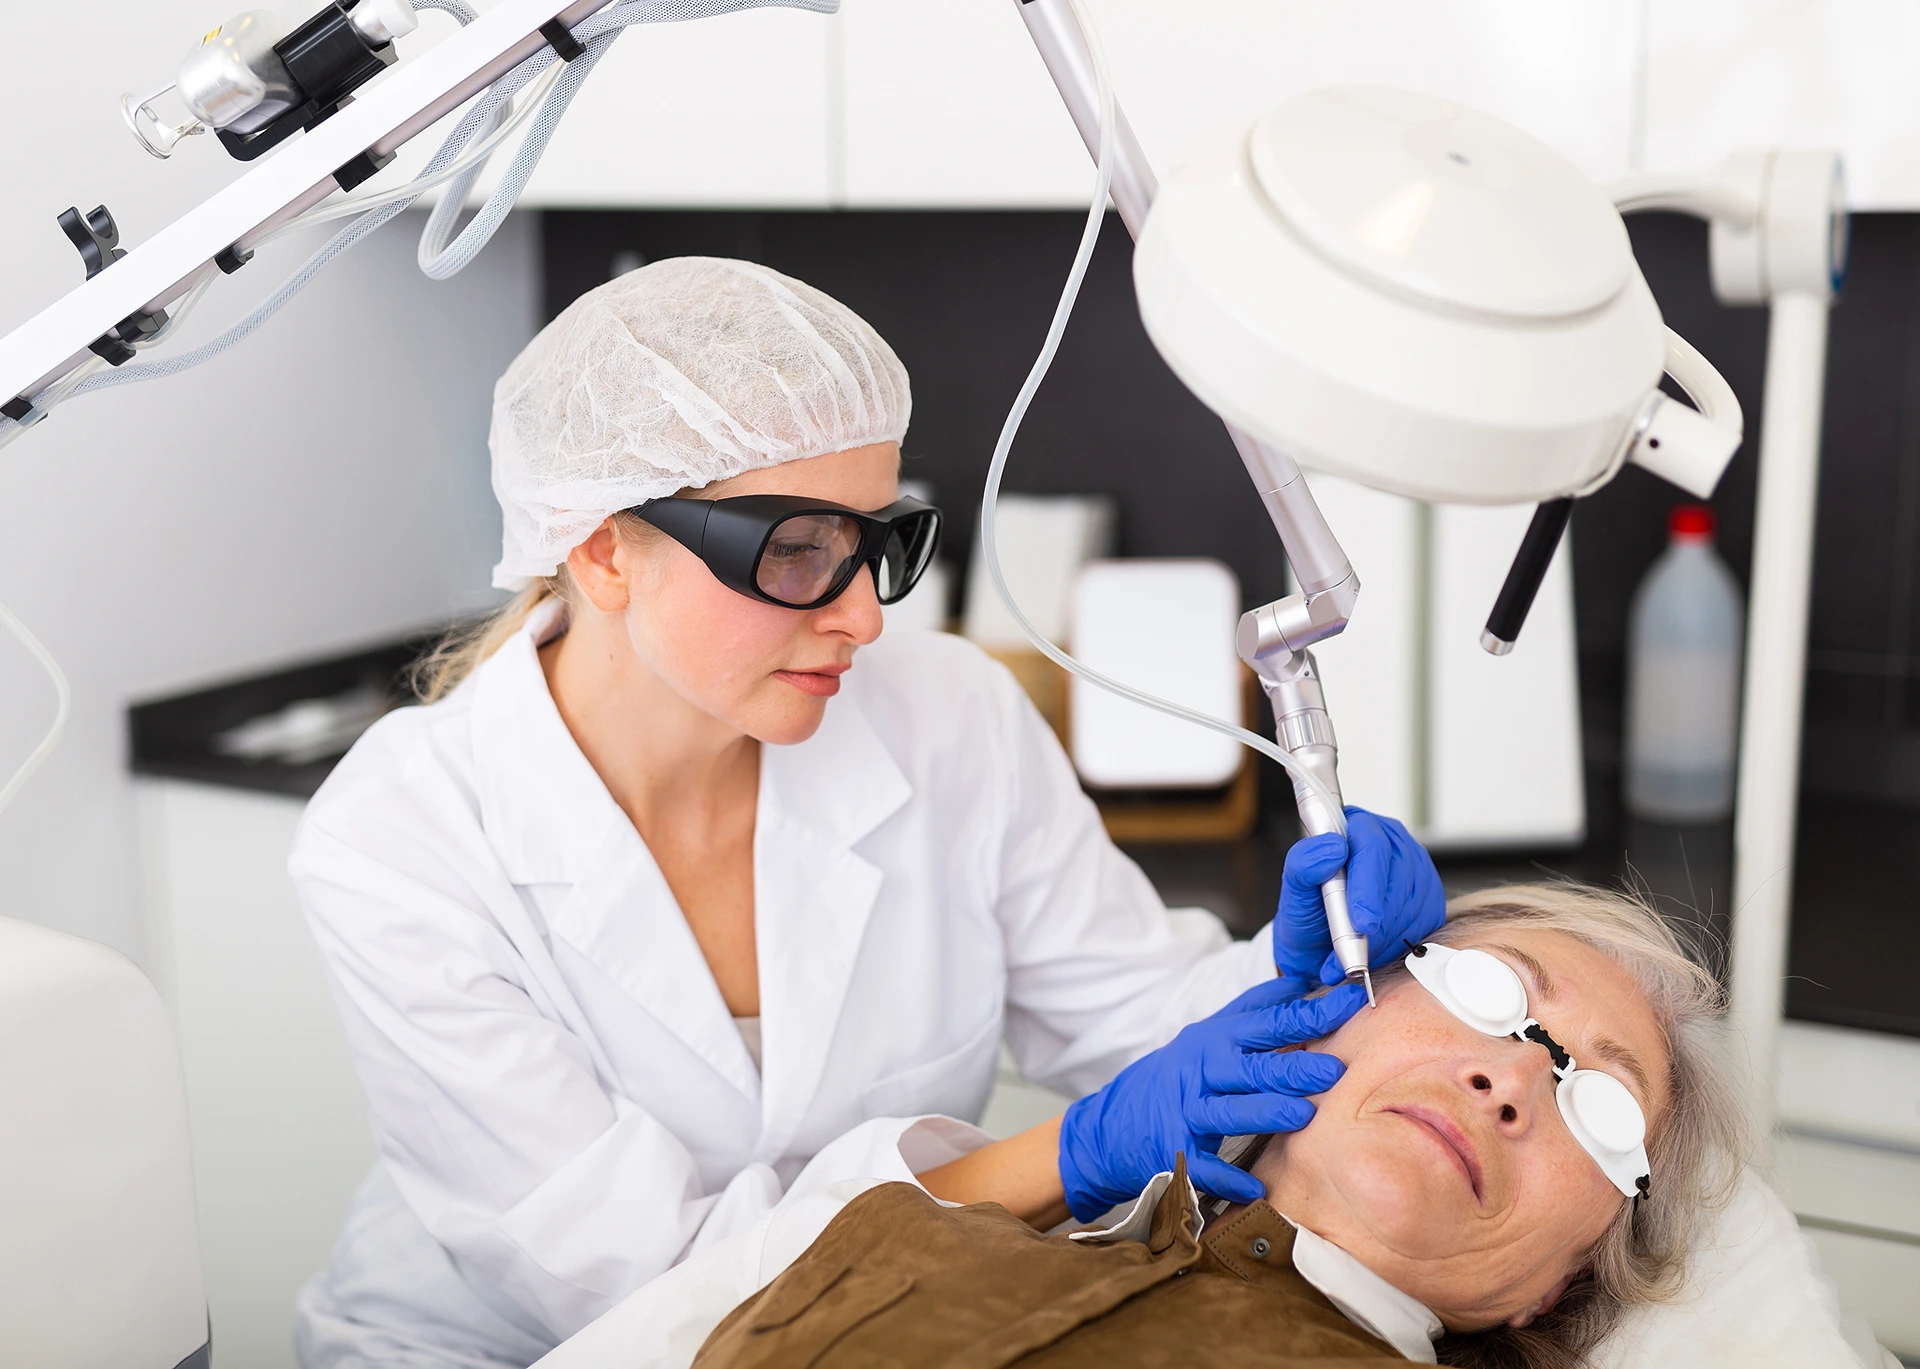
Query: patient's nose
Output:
(1507,1086)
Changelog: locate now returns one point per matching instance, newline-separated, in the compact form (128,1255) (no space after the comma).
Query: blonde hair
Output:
(459,653)
(1695,1151)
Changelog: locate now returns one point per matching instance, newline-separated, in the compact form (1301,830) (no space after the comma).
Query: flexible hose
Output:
(63,707)
(438,259)
(595,34)
(484,112)
(990,499)
(488,122)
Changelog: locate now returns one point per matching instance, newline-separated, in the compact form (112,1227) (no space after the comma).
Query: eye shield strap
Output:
(1486,993)
(1562,1062)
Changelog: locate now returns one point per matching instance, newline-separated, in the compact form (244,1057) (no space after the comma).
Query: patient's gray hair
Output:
(1695,1151)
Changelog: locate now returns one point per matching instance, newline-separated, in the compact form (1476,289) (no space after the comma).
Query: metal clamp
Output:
(560,38)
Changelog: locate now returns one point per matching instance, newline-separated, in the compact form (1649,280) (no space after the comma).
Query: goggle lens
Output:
(1487,987)
(909,545)
(808,557)
(801,553)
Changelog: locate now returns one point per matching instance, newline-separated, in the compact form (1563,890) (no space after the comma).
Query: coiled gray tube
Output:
(437,259)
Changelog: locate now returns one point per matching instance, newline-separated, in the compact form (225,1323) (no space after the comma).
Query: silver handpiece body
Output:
(1303,727)
(1274,637)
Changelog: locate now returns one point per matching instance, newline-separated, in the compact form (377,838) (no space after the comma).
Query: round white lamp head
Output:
(1402,291)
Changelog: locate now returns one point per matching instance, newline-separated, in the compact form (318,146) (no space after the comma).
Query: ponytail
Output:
(458,654)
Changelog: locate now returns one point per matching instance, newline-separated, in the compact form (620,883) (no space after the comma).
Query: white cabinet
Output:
(1504,761)
(727,111)
(278,1123)
(1564,73)
(1471,750)
(947,103)
(1728,75)
(1848,1164)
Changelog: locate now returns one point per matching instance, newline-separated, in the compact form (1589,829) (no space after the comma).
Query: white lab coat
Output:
(563,1105)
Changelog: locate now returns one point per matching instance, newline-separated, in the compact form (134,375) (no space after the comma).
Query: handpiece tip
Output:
(1366,977)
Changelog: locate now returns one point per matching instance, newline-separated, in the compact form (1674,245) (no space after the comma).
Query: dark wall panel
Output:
(965,299)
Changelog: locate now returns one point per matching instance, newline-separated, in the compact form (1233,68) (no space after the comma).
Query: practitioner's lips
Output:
(1450,1137)
(823,682)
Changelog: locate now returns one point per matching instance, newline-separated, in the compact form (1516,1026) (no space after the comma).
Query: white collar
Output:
(548,815)
(1363,1297)
(543,807)
(1366,1299)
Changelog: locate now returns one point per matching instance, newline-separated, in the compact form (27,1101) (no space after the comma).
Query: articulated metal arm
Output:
(1327,581)
(341,145)
(1272,639)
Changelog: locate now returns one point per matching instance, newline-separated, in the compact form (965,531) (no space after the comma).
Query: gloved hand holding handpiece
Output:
(1220,1077)
(1393,893)
(1224,1076)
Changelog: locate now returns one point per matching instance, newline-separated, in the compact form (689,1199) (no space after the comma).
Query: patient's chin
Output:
(1393,1197)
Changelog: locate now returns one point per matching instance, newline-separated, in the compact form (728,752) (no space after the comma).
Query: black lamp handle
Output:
(1523,579)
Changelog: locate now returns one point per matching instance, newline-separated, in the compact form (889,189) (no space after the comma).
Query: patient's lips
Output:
(1450,1139)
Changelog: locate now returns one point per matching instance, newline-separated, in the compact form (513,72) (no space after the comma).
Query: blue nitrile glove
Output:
(1393,892)
(1219,1077)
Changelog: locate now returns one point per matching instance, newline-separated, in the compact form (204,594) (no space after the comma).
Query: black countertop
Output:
(175,737)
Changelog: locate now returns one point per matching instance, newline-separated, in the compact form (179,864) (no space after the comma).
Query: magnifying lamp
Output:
(1416,296)
(1402,291)
(1393,288)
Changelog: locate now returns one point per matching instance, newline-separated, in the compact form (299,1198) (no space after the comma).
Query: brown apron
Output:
(897,1279)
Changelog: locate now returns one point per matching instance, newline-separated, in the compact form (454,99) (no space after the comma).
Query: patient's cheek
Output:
(1381,1041)
(1364,1182)
(1379,1165)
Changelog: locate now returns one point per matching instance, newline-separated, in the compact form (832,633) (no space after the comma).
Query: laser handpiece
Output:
(1303,729)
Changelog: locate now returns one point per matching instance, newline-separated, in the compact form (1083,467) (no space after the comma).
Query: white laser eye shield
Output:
(1486,993)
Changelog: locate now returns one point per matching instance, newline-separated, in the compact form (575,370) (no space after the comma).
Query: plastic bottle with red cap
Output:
(1683,679)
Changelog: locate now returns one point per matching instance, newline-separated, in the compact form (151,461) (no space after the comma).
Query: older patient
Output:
(1441,1162)
(1446,1191)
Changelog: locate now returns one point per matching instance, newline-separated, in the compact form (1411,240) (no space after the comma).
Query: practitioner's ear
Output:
(1527,1316)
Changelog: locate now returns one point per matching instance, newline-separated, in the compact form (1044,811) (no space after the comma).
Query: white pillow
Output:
(1757,1298)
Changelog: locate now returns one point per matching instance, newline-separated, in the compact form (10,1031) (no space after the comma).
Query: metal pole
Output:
(1328,584)
(1770,725)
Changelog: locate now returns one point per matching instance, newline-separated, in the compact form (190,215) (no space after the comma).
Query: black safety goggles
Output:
(801,553)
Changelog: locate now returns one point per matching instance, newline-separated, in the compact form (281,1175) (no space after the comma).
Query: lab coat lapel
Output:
(624,918)
(549,817)
(814,895)
(542,804)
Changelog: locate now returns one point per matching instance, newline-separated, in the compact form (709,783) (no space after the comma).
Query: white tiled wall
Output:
(731,110)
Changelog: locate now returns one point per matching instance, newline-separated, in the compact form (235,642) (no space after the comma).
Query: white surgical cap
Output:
(671,377)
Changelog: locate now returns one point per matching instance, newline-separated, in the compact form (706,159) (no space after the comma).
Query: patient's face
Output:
(1440,1159)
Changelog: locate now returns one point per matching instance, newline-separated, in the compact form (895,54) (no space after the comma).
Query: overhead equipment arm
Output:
(1273,639)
